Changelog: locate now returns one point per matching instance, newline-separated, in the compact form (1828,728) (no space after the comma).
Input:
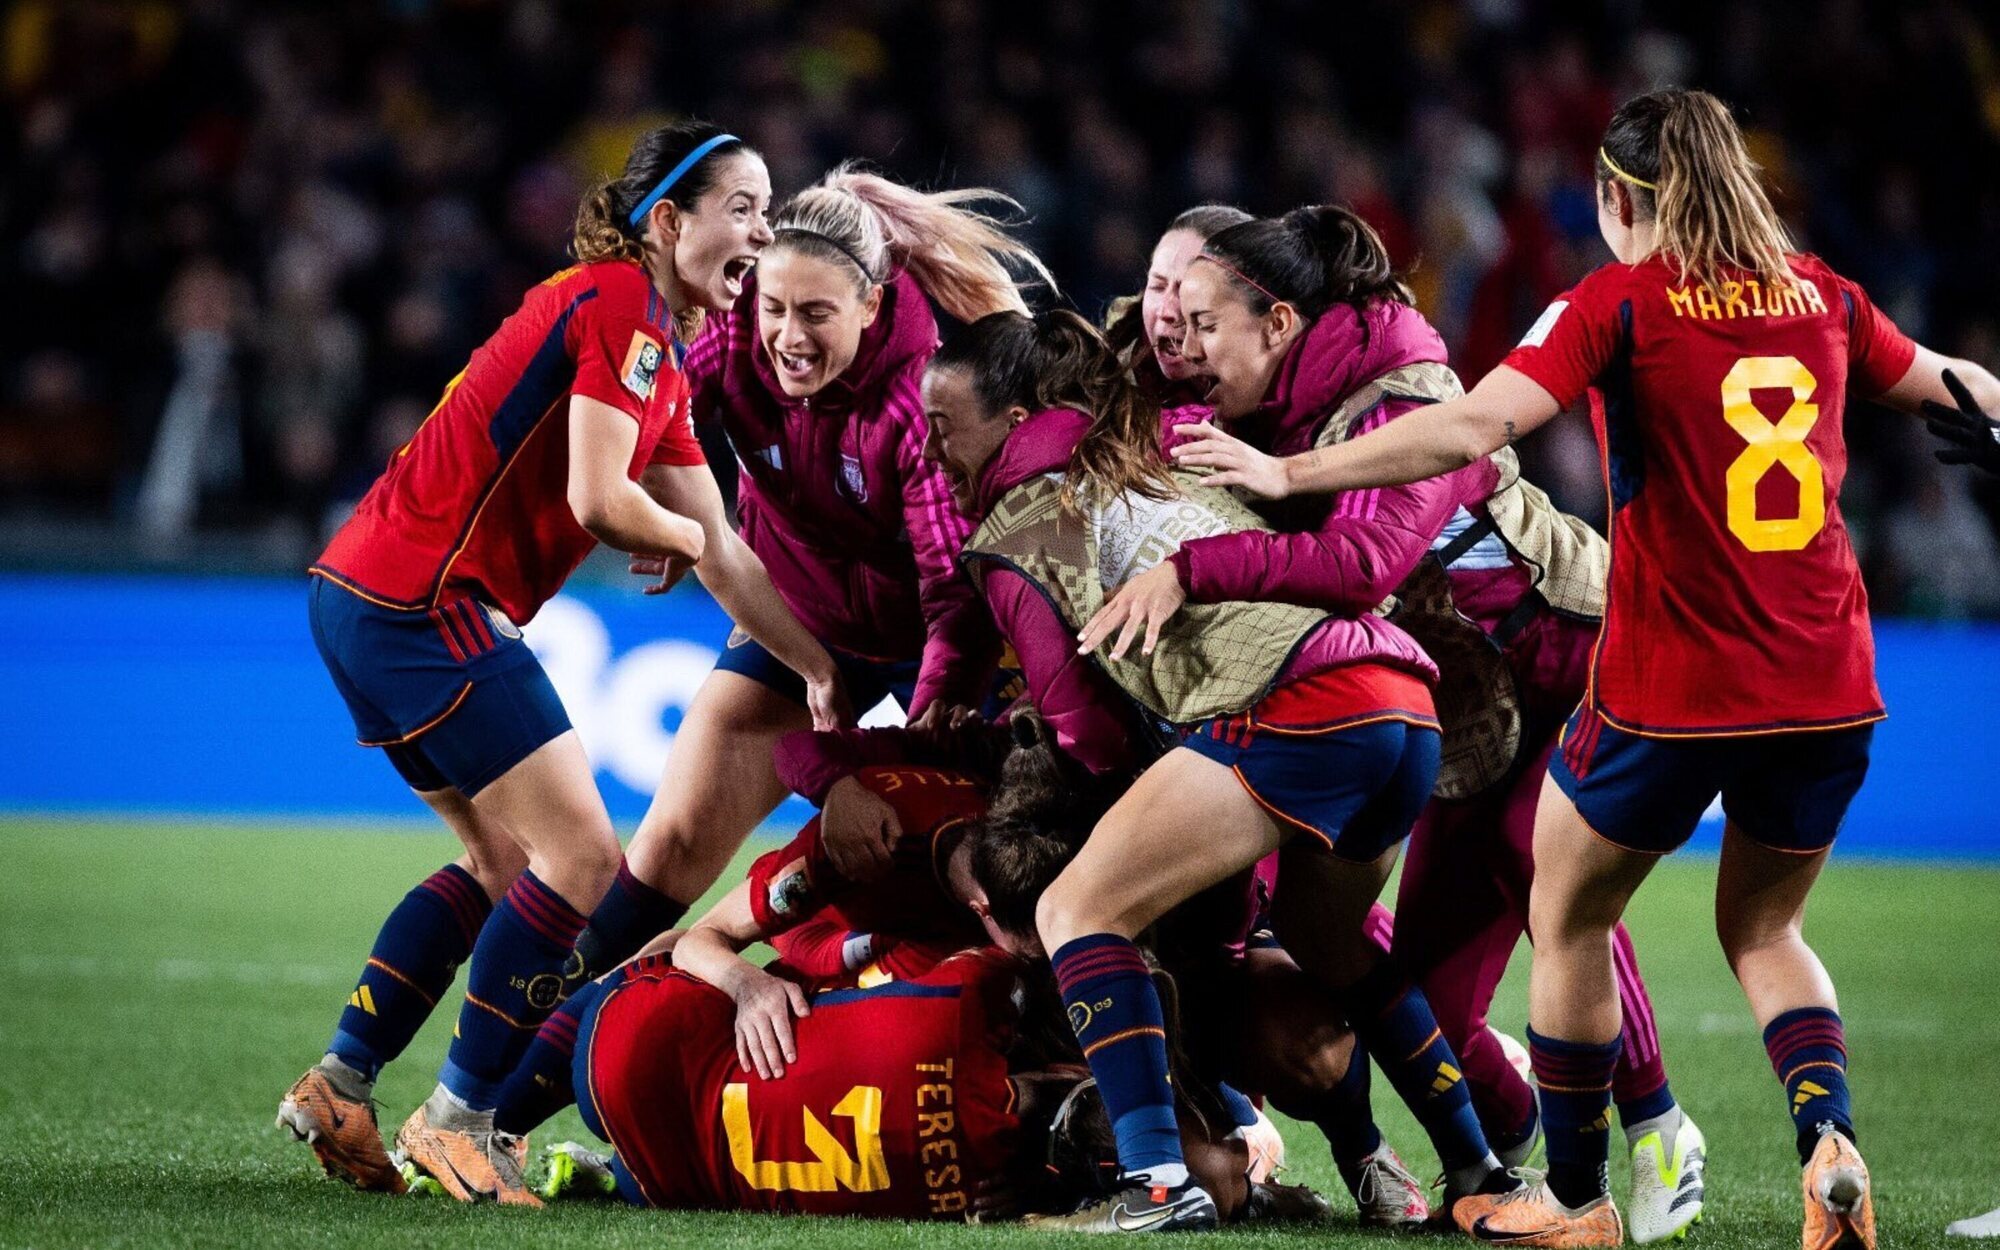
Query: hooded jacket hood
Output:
(1042,443)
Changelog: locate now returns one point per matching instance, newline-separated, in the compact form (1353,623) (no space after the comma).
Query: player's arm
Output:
(1956,398)
(765,1004)
(1437,439)
(603,497)
(735,575)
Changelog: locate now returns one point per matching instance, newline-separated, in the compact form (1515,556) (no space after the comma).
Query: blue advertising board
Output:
(205,697)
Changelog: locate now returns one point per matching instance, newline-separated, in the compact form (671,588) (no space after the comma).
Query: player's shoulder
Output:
(1614,281)
(1836,286)
(619,287)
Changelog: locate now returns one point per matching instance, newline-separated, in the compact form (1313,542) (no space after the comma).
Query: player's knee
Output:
(1059,918)
(676,858)
(1744,933)
(495,864)
(1567,921)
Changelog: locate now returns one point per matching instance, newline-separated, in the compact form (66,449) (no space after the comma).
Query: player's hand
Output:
(1973,437)
(1141,605)
(765,1006)
(1233,461)
(826,700)
(859,830)
(665,572)
(942,717)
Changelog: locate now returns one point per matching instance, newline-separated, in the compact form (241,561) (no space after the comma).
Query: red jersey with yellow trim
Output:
(477,502)
(1735,605)
(898,1106)
(913,902)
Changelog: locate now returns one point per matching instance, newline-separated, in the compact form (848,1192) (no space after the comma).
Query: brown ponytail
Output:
(1683,161)
(1311,258)
(1120,451)
(1058,360)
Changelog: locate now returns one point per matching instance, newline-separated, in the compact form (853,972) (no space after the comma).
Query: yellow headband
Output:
(1613,167)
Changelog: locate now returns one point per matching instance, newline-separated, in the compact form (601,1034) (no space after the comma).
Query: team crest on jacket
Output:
(850,477)
(642,365)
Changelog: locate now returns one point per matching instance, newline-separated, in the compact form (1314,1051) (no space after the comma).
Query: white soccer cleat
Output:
(1667,1184)
(1266,1146)
(1987,1225)
(1387,1194)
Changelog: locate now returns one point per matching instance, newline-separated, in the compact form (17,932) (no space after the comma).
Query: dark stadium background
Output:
(244,245)
(288,224)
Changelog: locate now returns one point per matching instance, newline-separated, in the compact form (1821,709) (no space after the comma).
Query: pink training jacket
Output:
(1094,720)
(1348,552)
(857,530)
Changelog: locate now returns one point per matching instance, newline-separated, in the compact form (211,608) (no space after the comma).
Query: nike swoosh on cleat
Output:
(1125,1220)
(470,1188)
(1483,1233)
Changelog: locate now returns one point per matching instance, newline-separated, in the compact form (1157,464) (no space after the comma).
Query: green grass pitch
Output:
(166,981)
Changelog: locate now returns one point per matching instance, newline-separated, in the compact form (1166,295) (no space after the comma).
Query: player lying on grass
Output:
(898,1103)
(1301,333)
(1290,721)
(779,1016)
(1736,656)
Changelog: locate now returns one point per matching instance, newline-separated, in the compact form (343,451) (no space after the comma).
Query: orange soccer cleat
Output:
(460,1150)
(340,1127)
(1531,1216)
(1840,1211)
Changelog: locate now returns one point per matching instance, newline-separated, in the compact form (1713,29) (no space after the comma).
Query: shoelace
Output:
(504,1154)
(1531,1184)
(1375,1166)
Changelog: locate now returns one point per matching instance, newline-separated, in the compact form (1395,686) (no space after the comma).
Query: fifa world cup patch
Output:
(642,365)
(789,889)
(1538,333)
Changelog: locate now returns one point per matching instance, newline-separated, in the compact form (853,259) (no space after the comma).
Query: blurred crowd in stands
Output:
(245,245)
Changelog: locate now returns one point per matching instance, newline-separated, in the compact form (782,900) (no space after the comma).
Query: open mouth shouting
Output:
(734,271)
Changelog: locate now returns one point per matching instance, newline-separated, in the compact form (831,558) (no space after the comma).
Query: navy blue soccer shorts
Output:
(452,695)
(1357,790)
(867,681)
(1786,791)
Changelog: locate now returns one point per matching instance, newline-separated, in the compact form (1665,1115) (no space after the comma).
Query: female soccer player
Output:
(569,427)
(1289,720)
(1309,337)
(1146,331)
(814,375)
(1736,657)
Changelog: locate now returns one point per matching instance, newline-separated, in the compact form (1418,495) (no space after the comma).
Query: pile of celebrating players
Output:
(1197,618)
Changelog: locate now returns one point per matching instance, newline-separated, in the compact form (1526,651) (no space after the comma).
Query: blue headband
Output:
(674,175)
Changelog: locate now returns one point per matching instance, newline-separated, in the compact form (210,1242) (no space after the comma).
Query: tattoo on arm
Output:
(1510,433)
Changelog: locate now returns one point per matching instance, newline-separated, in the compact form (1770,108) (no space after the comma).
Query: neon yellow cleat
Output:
(1667,1192)
(578,1172)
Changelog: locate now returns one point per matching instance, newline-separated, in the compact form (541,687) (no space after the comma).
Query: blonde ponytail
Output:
(1681,153)
(956,254)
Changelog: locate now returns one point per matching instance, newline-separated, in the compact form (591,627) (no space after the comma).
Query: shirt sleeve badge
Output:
(642,365)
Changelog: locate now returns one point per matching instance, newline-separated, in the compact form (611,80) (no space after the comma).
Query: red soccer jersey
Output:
(477,502)
(913,902)
(898,1106)
(1736,605)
